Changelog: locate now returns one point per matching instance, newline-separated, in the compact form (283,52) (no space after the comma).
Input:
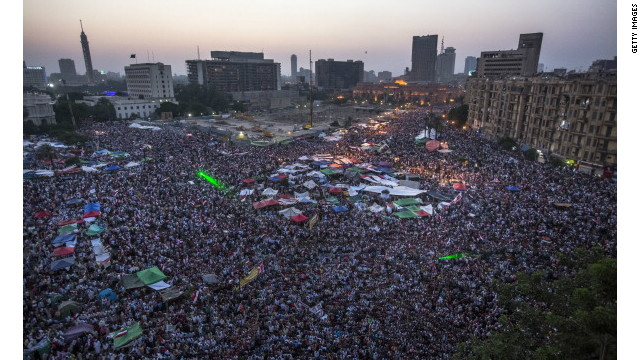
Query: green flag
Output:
(123,337)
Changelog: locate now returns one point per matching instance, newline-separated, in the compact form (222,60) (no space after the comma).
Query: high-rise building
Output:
(540,67)
(294,65)
(424,53)
(445,64)
(34,76)
(573,116)
(522,62)
(67,68)
(331,74)
(231,71)
(384,76)
(604,65)
(470,64)
(149,81)
(87,54)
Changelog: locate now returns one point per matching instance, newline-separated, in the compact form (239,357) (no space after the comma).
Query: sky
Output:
(379,33)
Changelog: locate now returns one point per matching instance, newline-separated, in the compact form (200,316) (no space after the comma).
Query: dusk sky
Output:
(379,33)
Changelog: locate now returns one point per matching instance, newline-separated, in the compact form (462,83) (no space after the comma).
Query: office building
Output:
(520,62)
(604,65)
(149,81)
(331,74)
(86,53)
(231,71)
(424,53)
(445,64)
(540,67)
(39,108)
(401,92)
(573,116)
(34,76)
(294,66)
(67,68)
(126,108)
(384,76)
(470,64)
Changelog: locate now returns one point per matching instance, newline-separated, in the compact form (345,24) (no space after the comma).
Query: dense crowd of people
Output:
(356,285)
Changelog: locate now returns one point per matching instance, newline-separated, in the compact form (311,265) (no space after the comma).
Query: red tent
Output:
(459,186)
(42,214)
(299,218)
(335,190)
(63,251)
(421,213)
(67,222)
(248,181)
(91,214)
(264,203)
(432,145)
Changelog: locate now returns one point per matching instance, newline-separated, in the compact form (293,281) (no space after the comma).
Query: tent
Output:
(63,263)
(125,336)
(68,229)
(407,201)
(248,181)
(459,186)
(328,172)
(131,164)
(310,184)
(170,293)
(42,214)
(68,308)
(513,188)
(108,294)
(341,208)
(141,278)
(288,212)
(269,192)
(406,214)
(75,332)
(63,251)
(432,145)
(111,168)
(562,205)
(63,238)
(335,190)
(69,222)
(278,178)
(73,201)
(260,204)
(210,279)
(299,218)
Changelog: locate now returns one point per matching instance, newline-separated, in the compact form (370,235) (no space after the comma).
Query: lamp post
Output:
(73,118)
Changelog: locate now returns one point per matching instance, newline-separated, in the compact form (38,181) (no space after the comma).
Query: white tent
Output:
(131,164)
(309,184)
(269,192)
(290,212)
(398,190)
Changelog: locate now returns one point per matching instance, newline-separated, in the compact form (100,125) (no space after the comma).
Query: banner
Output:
(313,221)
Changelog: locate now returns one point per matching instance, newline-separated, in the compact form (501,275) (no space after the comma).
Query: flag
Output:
(313,221)
(261,268)
(121,333)
(123,337)
(133,56)
(194,298)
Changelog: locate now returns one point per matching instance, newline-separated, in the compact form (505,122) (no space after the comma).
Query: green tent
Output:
(357,170)
(333,200)
(68,308)
(405,214)
(68,229)
(329,172)
(125,336)
(43,348)
(94,230)
(407,201)
(355,199)
(142,278)
(413,208)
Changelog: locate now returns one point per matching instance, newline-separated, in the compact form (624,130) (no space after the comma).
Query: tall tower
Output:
(294,66)
(424,53)
(87,54)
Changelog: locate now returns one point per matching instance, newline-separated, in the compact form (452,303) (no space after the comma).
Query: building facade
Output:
(470,64)
(445,64)
(331,74)
(573,117)
(385,76)
(126,107)
(294,66)
(34,76)
(424,54)
(231,71)
(39,108)
(520,62)
(400,92)
(149,81)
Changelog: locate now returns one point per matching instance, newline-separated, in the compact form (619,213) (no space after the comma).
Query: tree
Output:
(531,154)
(167,107)
(459,114)
(103,110)
(47,152)
(507,143)
(572,317)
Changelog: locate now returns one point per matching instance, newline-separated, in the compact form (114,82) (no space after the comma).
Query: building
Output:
(68,73)
(331,74)
(306,75)
(604,65)
(384,76)
(573,116)
(369,76)
(540,67)
(424,53)
(470,64)
(87,55)
(520,62)
(39,108)
(294,66)
(34,76)
(231,71)
(401,92)
(149,81)
(127,108)
(267,100)
(445,64)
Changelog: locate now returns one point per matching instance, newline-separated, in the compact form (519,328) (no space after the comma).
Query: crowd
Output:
(376,279)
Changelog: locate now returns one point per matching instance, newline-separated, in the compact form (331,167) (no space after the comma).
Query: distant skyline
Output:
(576,32)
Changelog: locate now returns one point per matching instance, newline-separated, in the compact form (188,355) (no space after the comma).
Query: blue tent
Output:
(61,239)
(525,147)
(73,201)
(113,167)
(92,207)
(513,188)
(340,208)
(320,163)
(385,170)
(276,178)
(108,294)
(63,263)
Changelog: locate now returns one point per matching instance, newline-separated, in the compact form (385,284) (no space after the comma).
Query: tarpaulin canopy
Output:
(142,278)
(63,263)
(63,251)
(341,208)
(299,218)
(335,190)
(42,214)
(67,308)
(68,229)
(73,201)
(94,229)
(288,212)
(264,203)
(170,293)
(562,205)
(269,192)
(406,214)
(397,191)
(75,332)
(210,279)
(328,172)
(108,294)
(160,285)
(407,201)
(310,184)
(131,164)
(111,168)
(432,145)
(248,181)
(68,222)
(63,238)
(513,188)
(278,178)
